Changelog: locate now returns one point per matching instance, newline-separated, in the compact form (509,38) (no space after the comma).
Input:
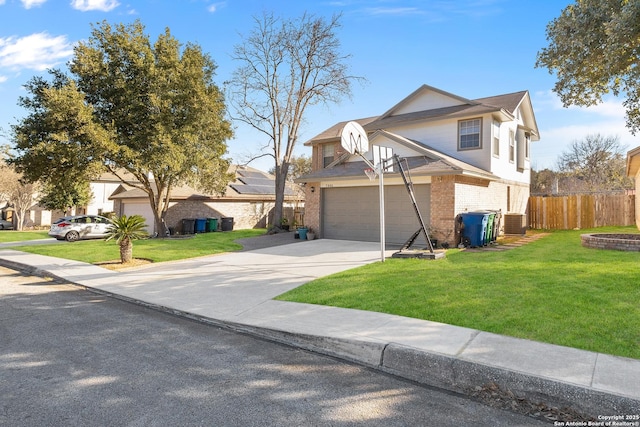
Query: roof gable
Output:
(426,98)
(633,162)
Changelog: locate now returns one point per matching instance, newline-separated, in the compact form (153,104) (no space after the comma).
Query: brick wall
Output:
(442,208)
(312,207)
(245,214)
(452,195)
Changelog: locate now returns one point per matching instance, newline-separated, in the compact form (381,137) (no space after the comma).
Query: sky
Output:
(471,48)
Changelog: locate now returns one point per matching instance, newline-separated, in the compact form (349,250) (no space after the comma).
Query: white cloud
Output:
(87,5)
(1,2)
(36,51)
(28,4)
(216,6)
(3,78)
(610,107)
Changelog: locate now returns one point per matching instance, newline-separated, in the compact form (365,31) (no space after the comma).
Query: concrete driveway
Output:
(224,287)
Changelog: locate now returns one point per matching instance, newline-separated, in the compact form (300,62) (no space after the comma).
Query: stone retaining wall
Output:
(619,242)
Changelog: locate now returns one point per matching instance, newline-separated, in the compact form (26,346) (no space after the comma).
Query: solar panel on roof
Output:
(253,189)
(251,174)
(257,181)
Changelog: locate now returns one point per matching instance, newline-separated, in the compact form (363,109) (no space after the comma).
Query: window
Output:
(495,149)
(327,155)
(469,134)
(512,146)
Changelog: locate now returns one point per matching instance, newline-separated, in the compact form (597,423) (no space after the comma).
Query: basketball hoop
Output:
(370,173)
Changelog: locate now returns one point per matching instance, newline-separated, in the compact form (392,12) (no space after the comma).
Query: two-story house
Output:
(463,156)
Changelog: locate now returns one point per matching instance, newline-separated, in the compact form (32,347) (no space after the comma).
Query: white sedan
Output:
(72,228)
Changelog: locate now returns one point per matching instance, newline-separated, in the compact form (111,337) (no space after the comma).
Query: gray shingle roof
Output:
(250,183)
(507,103)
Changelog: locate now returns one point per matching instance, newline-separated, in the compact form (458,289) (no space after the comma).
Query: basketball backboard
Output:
(354,138)
(383,155)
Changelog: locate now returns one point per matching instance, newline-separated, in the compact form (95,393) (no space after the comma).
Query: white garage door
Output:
(143,209)
(353,213)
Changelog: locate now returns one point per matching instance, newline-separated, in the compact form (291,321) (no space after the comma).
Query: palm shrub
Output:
(125,230)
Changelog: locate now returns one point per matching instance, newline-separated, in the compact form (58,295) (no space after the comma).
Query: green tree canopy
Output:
(593,50)
(152,110)
(65,195)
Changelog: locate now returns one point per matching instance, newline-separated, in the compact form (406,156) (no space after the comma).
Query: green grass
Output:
(21,236)
(156,250)
(551,290)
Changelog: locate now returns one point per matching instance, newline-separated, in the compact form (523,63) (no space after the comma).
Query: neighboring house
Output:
(463,155)
(101,189)
(249,200)
(633,171)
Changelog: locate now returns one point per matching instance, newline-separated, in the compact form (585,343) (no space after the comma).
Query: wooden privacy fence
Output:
(581,211)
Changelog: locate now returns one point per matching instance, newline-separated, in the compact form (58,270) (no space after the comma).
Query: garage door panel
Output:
(353,213)
(142,209)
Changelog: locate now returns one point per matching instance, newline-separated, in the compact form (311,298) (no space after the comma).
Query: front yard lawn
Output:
(551,290)
(155,250)
(21,236)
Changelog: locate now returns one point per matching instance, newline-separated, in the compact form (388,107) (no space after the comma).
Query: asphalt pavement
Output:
(105,362)
(236,291)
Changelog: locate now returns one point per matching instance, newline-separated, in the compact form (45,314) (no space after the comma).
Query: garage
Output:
(352,213)
(142,209)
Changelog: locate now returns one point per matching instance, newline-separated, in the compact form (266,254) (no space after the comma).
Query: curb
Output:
(431,369)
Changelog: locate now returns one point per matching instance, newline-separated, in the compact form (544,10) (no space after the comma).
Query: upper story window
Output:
(512,146)
(328,154)
(495,148)
(469,132)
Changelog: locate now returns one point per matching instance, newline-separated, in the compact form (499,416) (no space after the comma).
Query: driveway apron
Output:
(227,286)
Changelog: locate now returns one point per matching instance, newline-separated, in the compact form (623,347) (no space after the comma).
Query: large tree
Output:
(286,66)
(17,192)
(595,163)
(593,50)
(150,109)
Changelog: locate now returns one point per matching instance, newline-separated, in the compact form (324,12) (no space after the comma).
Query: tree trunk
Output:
(281,181)
(126,251)
(19,220)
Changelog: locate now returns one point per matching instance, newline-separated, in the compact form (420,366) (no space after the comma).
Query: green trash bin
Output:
(212,224)
(489,231)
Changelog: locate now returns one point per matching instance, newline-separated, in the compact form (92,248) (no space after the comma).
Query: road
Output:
(70,357)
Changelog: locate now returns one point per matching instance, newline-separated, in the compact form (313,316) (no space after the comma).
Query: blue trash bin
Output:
(475,227)
(201,225)
(302,231)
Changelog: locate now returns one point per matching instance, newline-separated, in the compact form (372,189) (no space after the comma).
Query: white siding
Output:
(496,196)
(501,166)
(427,101)
(100,201)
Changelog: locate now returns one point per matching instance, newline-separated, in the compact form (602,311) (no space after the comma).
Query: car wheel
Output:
(1,227)
(72,236)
